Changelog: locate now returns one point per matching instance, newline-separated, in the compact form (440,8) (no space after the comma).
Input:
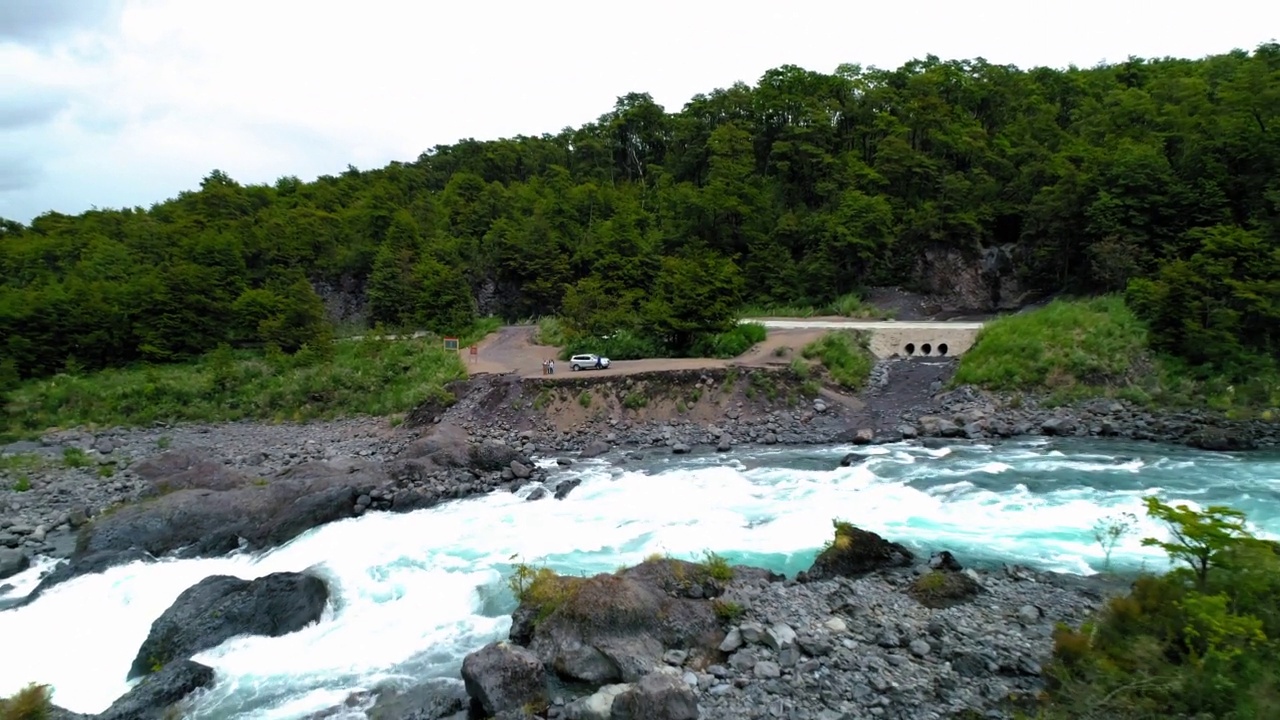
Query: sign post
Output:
(451,343)
(475,352)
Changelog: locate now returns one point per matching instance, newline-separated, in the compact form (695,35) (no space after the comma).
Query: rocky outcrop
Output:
(221,607)
(428,701)
(835,646)
(964,281)
(616,627)
(855,552)
(152,698)
(501,677)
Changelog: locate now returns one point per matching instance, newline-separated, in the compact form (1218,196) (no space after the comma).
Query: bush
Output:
(1200,641)
(845,354)
(730,343)
(34,702)
(621,345)
(540,588)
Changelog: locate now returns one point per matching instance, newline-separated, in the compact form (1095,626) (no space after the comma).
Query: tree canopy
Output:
(1157,175)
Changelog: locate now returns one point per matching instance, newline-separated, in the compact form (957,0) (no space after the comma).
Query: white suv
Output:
(588,362)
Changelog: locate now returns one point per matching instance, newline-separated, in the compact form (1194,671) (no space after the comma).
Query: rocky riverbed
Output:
(838,645)
(51,488)
(879,635)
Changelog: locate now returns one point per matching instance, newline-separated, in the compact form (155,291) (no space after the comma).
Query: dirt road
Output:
(511,349)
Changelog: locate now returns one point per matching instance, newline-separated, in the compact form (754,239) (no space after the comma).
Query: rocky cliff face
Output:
(975,282)
(344,301)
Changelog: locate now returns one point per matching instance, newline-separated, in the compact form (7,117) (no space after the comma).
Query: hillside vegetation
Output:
(1158,178)
(1099,347)
(1201,641)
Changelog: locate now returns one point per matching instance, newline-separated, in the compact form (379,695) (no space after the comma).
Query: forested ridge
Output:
(1160,177)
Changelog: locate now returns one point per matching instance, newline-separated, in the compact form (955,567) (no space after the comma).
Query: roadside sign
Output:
(475,350)
(451,343)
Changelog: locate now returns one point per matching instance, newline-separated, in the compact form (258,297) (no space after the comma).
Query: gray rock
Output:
(732,641)
(221,607)
(598,705)
(503,677)
(12,562)
(657,696)
(151,698)
(779,636)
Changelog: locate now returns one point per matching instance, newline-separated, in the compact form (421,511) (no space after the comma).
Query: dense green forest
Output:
(1161,177)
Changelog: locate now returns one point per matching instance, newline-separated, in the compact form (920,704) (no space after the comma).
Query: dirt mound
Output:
(596,403)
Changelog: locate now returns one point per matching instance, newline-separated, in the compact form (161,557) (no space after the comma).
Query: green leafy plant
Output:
(1109,531)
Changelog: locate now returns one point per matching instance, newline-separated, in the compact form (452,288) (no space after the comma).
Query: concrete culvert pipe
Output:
(910,348)
(926,348)
(942,348)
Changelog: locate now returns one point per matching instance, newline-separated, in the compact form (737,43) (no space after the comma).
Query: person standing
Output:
(551,366)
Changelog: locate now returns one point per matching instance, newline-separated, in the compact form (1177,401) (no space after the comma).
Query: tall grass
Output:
(1085,343)
(1098,347)
(34,702)
(845,354)
(550,330)
(850,305)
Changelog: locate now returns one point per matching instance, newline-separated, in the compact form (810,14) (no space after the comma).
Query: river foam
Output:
(413,593)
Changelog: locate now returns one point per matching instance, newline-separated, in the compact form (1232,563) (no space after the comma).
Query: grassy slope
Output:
(845,355)
(361,377)
(1080,348)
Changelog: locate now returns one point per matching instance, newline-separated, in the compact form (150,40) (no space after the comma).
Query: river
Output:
(413,593)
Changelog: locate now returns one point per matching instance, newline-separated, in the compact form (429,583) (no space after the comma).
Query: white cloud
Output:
(129,108)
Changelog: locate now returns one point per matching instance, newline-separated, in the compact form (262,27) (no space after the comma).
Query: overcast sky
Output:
(118,103)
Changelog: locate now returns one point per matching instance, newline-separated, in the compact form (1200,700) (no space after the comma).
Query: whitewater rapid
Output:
(413,593)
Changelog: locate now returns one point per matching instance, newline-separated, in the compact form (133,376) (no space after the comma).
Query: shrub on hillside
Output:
(846,356)
(730,343)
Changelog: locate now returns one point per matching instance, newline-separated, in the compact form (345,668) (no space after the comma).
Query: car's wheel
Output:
(575,367)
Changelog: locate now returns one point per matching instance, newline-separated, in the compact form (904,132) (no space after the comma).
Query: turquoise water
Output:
(412,594)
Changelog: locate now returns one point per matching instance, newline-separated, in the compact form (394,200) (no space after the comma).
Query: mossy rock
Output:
(944,588)
(854,552)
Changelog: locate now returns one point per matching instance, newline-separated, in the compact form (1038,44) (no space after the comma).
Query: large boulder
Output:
(431,700)
(615,627)
(448,446)
(657,696)
(204,522)
(502,677)
(152,698)
(1215,438)
(12,562)
(187,470)
(854,552)
(595,448)
(221,607)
